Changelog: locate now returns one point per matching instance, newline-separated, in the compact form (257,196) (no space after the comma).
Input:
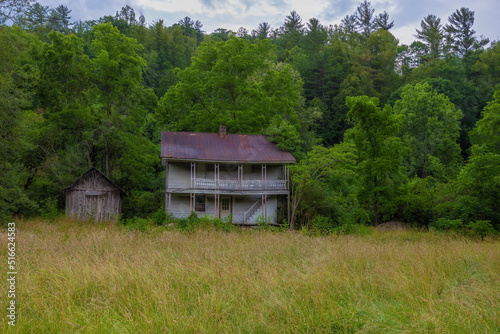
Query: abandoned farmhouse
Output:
(244,177)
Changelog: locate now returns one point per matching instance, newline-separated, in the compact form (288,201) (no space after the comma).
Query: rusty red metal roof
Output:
(199,146)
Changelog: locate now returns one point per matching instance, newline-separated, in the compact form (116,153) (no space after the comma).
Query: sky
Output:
(233,14)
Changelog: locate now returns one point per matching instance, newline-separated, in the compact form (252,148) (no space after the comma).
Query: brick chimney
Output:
(222,131)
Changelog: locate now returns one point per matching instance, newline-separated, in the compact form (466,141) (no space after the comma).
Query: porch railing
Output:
(200,183)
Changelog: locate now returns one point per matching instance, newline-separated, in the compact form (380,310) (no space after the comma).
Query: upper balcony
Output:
(203,183)
(228,178)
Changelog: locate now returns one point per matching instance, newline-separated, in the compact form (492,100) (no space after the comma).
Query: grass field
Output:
(85,278)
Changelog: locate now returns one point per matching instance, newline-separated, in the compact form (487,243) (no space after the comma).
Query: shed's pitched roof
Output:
(93,170)
(198,146)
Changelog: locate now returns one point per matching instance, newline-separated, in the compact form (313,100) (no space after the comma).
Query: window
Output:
(199,203)
(224,205)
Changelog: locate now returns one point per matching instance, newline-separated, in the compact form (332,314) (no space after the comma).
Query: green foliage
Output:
(478,228)
(312,174)
(478,184)
(486,134)
(382,48)
(86,95)
(478,188)
(356,229)
(159,217)
(381,173)
(486,71)
(264,223)
(481,228)
(137,224)
(430,128)
(49,210)
(143,203)
(286,136)
(17,124)
(444,224)
(194,222)
(432,34)
(232,83)
(322,225)
(417,205)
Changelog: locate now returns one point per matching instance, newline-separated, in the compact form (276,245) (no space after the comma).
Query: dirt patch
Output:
(392,226)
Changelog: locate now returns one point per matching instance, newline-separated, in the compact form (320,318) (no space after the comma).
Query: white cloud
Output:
(212,9)
(232,14)
(192,6)
(405,33)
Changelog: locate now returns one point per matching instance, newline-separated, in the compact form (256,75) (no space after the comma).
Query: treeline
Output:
(381,130)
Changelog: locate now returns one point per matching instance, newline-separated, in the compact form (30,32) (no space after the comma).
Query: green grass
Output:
(97,278)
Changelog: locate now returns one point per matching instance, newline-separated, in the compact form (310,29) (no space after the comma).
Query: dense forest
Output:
(380,130)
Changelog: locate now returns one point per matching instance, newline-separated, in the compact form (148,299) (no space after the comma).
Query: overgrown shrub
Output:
(481,228)
(159,217)
(49,210)
(137,224)
(193,222)
(142,203)
(357,229)
(322,225)
(445,224)
(478,228)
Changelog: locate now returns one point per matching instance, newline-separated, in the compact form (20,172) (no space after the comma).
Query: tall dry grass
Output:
(85,278)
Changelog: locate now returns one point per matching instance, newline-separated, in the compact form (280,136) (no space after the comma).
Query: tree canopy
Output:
(381,130)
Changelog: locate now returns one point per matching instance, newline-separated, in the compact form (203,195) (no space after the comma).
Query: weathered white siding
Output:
(245,190)
(244,209)
(179,175)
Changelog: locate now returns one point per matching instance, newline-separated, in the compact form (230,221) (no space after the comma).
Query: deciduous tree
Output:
(234,83)
(430,129)
(321,163)
(380,154)
(17,122)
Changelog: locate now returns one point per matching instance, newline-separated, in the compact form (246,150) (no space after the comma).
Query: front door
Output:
(225,206)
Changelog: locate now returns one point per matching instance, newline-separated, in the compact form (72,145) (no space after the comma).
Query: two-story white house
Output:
(219,174)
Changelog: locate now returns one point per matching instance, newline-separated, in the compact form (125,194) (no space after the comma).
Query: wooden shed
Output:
(94,195)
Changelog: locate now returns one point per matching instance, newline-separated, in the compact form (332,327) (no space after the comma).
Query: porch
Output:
(241,210)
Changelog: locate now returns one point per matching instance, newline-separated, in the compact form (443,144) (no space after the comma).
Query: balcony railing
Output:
(239,185)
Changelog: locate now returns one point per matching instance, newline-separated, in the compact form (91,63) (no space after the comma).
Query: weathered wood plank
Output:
(93,194)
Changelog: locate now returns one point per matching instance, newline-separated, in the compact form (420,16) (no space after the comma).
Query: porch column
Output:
(216,205)
(192,198)
(264,175)
(167,202)
(167,195)
(265,178)
(265,207)
(193,174)
(216,175)
(262,204)
(240,175)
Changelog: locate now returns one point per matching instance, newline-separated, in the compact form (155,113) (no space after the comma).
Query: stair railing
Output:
(249,210)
